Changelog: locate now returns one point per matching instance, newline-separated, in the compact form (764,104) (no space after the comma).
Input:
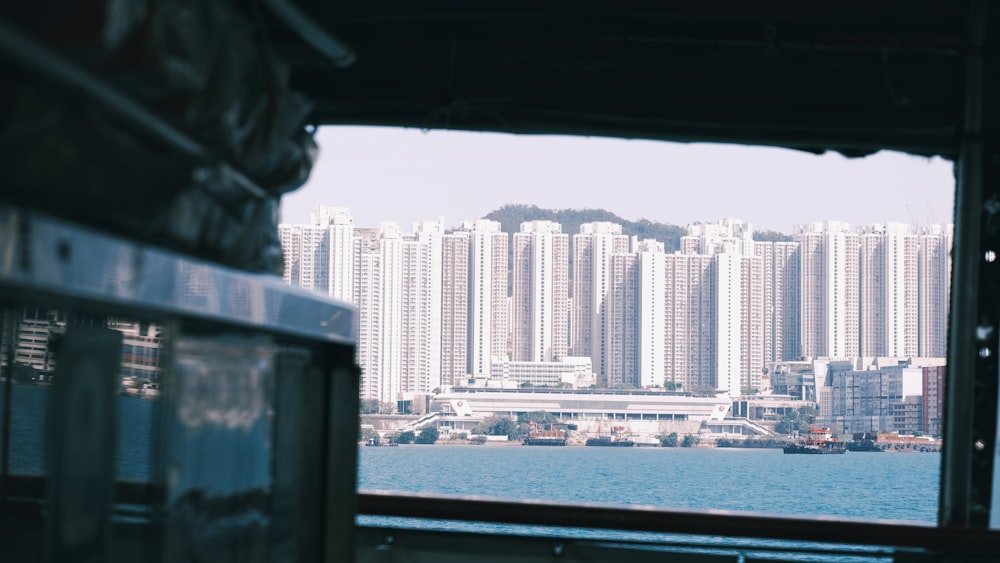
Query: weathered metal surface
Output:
(717,523)
(81,445)
(50,259)
(217,448)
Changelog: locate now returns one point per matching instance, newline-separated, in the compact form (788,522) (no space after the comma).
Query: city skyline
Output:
(714,314)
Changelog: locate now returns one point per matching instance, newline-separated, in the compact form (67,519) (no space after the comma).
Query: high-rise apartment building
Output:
(689,337)
(728,321)
(488,294)
(455,279)
(339,224)
(378,293)
(739,301)
(753,353)
(934,274)
(713,238)
(306,251)
(829,289)
(422,308)
(652,311)
(539,293)
(593,248)
(782,308)
(368,293)
(620,350)
(888,290)
(319,256)
(434,307)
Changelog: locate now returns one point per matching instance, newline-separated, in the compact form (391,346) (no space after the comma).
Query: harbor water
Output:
(856,485)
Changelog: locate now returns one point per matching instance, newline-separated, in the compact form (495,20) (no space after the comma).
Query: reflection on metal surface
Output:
(228,464)
(47,257)
(217,447)
(218,419)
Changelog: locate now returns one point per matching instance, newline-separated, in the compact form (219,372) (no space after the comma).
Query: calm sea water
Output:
(27,428)
(871,486)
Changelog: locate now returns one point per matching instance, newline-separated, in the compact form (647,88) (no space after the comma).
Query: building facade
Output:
(652,310)
(593,248)
(540,292)
(782,307)
(689,336)
(934,289)
(488,295)
(888,291)
(828,289)
(422,307)
(455,278)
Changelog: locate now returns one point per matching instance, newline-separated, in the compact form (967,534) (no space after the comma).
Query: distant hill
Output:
(771,236)
(511,216)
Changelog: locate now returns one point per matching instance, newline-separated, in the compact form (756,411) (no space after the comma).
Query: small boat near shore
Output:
(548,436)
(819,441)
(618,438)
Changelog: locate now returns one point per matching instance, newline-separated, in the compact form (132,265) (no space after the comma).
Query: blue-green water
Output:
(27,430)
(870,486)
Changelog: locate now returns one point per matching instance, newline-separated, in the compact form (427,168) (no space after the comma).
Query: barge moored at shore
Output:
(819,441)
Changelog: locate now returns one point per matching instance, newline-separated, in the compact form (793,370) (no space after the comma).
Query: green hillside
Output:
(511,216)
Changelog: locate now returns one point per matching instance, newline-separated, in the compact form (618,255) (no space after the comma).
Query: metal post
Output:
(971,380)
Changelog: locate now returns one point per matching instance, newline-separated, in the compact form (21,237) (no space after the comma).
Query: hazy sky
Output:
(407,175)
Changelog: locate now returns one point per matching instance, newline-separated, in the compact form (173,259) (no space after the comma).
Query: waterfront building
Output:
(421,308)
(888,290)
(829,289)
(933,393)
(868,400)
(795,379)
(141,357)
(593,248)
(540,291)
(934,275)
(628,405)
(907,415)
(33,328)
(569,371)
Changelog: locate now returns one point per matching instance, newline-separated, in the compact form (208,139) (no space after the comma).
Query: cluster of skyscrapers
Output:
(437,307)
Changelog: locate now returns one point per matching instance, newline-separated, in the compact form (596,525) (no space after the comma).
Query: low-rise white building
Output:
(571,371)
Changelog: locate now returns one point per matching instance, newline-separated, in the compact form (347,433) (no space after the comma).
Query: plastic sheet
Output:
(200,69)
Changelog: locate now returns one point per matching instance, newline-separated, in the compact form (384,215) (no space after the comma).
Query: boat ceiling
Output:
(182,122)
(852,76)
